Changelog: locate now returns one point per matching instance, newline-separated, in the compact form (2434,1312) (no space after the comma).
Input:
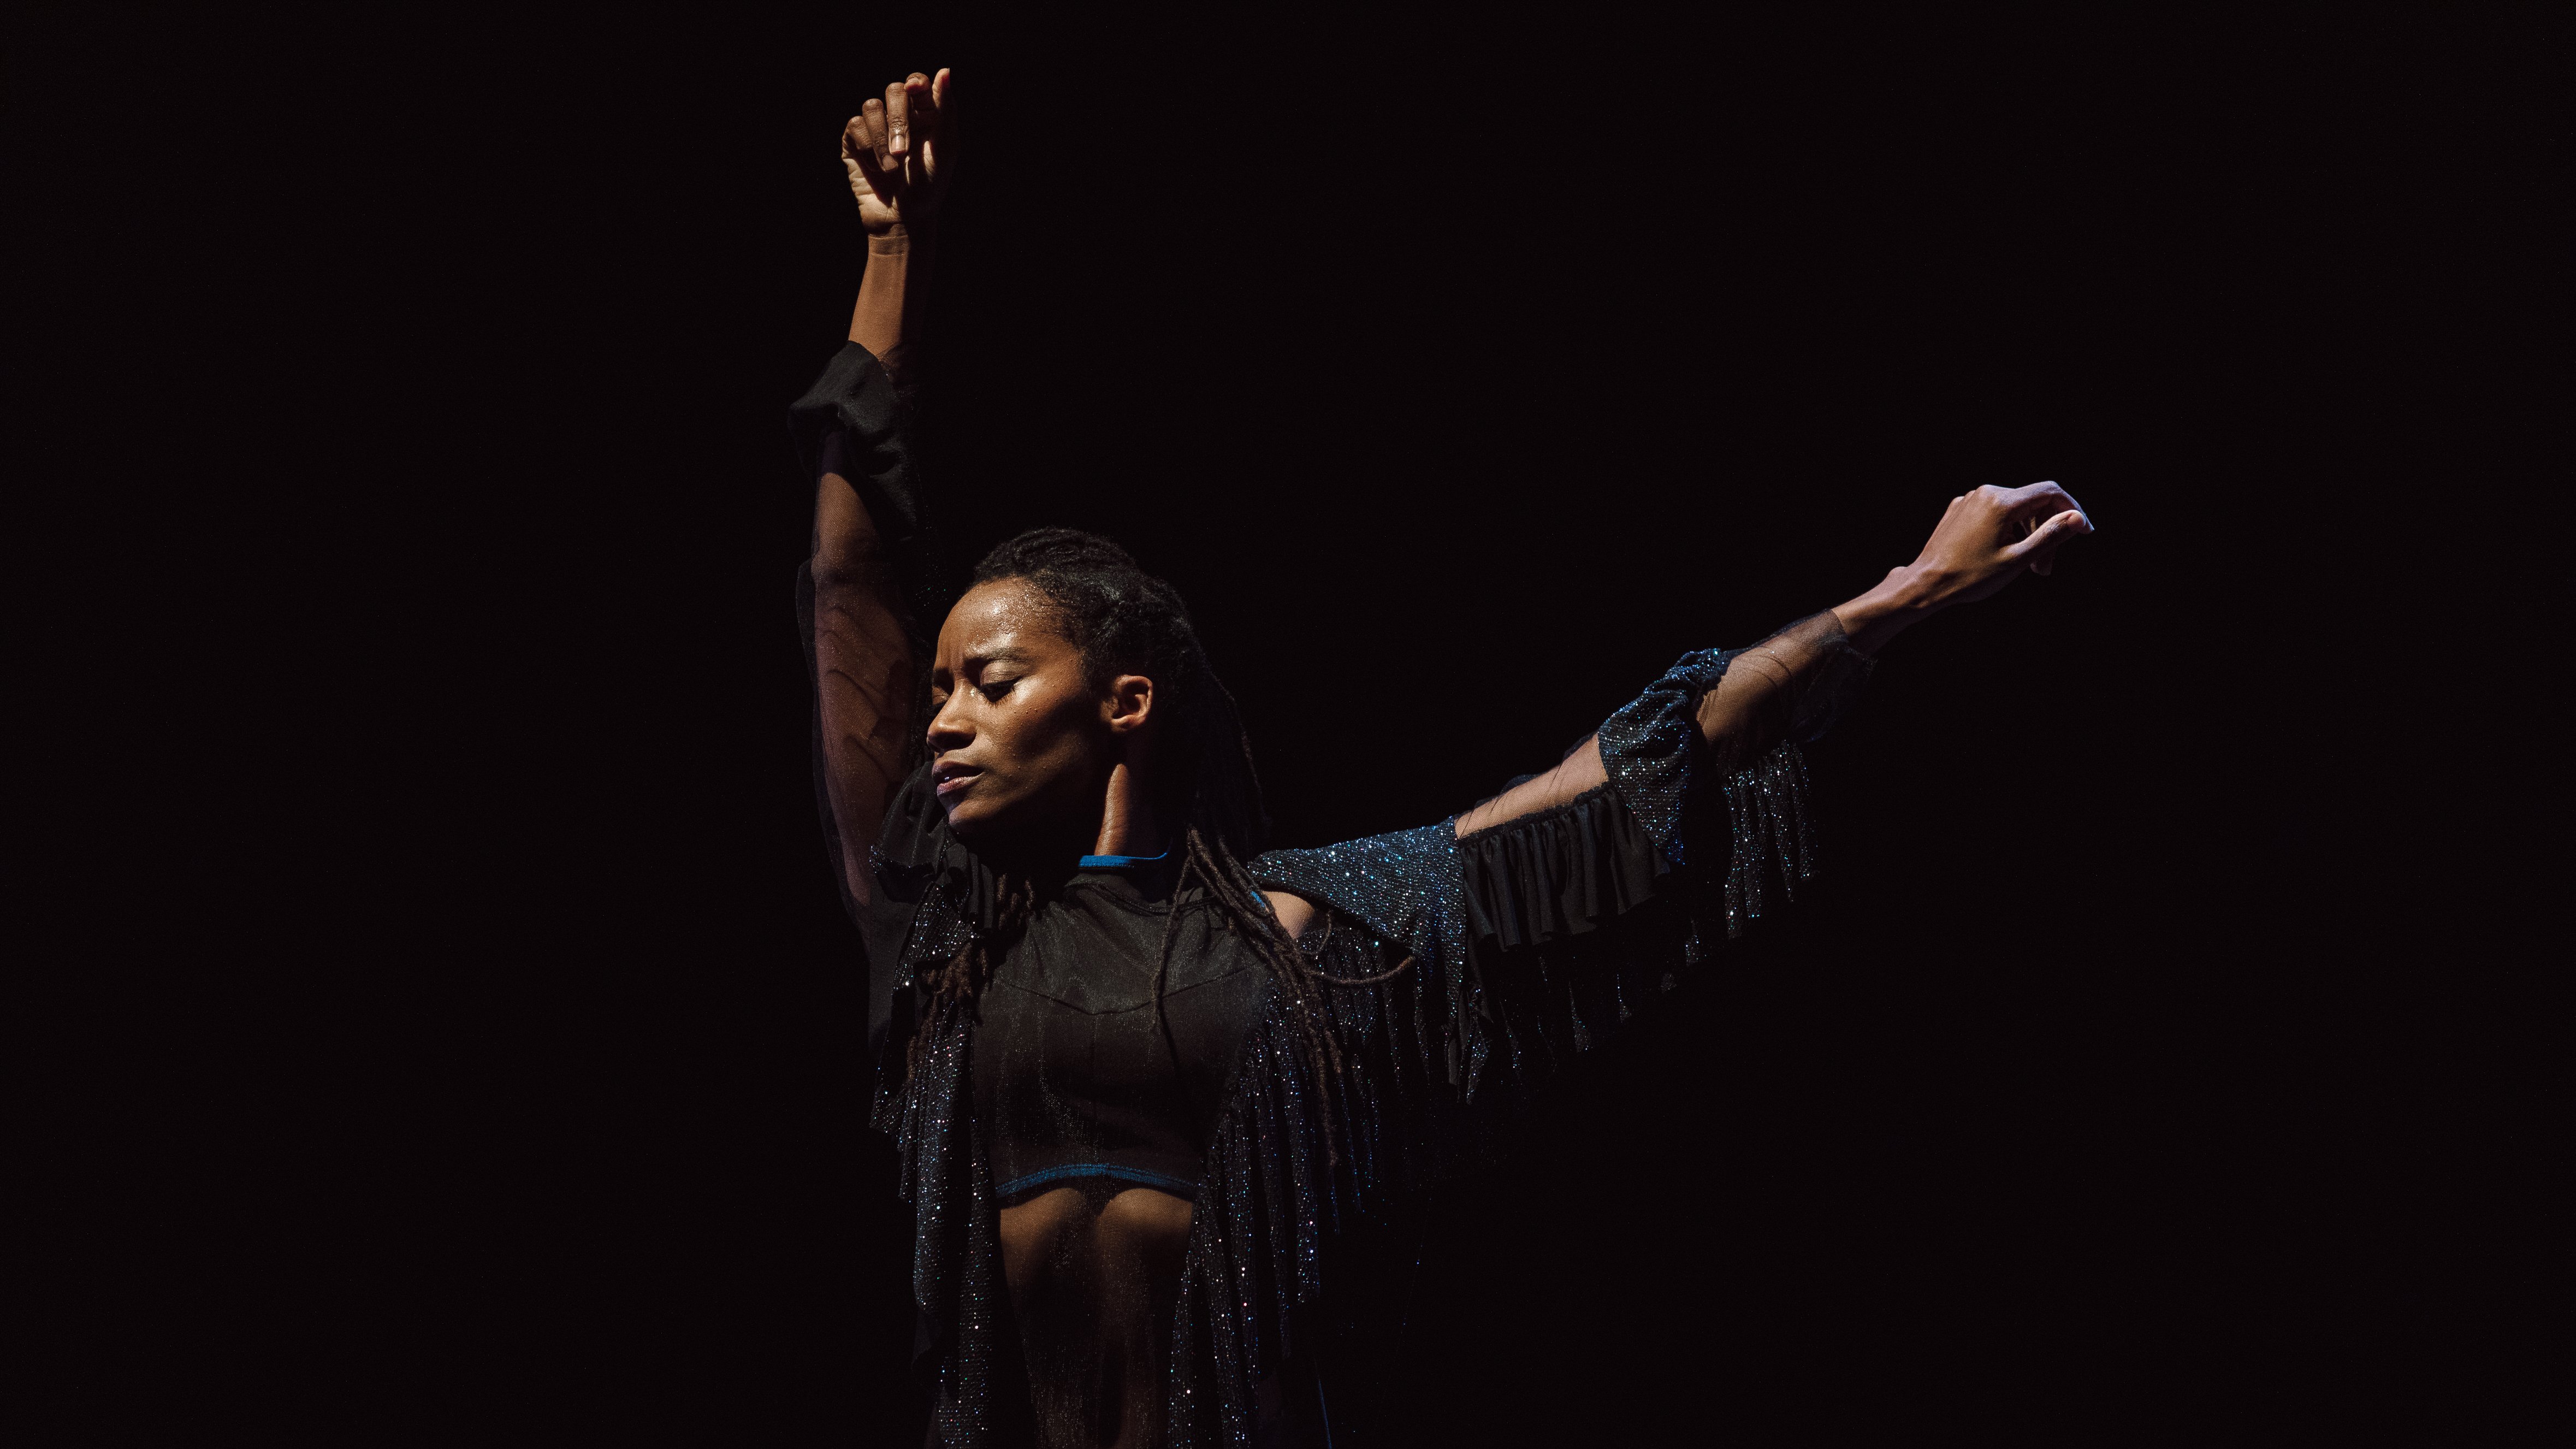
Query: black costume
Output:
(1487,959)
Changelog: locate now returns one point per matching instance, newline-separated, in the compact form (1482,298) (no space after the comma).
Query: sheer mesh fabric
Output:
(1770,692)
(1095,1127)
(1092,1128)
(1098,1120)
(1767,694)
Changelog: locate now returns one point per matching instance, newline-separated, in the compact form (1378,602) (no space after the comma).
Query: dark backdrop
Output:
(489,1033)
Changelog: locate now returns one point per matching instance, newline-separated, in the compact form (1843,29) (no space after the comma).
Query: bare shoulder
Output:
(1295,912)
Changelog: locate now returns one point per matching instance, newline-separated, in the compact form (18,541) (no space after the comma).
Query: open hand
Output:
(896,151)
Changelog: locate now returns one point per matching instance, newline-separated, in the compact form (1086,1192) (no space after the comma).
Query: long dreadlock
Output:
(1125,621)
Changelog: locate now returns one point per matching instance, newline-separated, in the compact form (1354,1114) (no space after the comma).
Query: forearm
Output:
(1756,703)
(1753,706)
(1906,597)
(887,314)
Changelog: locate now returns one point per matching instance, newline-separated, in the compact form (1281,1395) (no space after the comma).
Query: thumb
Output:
(2040,548)
(942,135)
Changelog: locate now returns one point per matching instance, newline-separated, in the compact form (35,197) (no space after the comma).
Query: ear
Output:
(1130,706)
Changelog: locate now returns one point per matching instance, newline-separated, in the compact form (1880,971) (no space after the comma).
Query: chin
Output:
(1009,825)
(969,820)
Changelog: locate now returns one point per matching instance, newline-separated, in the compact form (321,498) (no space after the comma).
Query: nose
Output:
(949,727)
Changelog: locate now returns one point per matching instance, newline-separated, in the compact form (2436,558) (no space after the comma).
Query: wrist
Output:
(897,236)
(1907,596)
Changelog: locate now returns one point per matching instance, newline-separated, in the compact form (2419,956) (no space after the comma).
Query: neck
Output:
(1127,823)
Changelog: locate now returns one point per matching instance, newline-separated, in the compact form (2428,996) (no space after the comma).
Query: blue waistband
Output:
(1114,862)
(1178,1187)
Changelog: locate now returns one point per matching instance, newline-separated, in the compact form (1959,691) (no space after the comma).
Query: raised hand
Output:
(897,150)
(1990,535)
(1984,541)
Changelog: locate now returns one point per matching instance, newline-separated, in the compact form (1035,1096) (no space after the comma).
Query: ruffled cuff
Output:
(854,421)
(1651,748)
(1653,751)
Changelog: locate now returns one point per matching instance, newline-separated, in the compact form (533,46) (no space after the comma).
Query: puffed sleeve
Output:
(856,422)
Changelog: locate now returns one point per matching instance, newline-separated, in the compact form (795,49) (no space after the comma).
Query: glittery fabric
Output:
(1404,886)
(1657,762)
(1460,1010)
(1767,809)
(1472,970)
(1302,1153)
(1651,747)
(956,1269)
(1511,972)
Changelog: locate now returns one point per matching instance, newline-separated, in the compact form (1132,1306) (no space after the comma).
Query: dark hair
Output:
(1126,621)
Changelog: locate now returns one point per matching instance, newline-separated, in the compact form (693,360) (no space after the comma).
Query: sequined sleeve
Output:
(1440,1016)
(1461,974)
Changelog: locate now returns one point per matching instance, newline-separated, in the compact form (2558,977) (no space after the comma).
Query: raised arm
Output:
(1985,540)
(865,511)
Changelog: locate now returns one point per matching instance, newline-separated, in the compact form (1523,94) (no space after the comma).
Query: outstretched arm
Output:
(1987,538)
(863,664)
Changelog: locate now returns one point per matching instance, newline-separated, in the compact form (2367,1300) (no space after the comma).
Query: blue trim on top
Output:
(1115,862)
(1180,1187)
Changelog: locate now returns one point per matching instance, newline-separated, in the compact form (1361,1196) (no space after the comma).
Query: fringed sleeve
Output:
(1461,974)
(1457,976)
(963,1350)
(1694,776)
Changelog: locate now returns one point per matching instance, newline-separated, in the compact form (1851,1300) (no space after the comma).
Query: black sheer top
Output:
(1074,1075)
(1470,961)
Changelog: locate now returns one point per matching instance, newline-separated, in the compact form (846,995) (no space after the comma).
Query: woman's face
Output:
(1019,742)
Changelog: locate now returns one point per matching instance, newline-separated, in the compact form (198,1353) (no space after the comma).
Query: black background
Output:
(477,1032)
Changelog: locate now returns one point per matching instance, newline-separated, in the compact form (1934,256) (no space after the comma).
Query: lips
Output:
(947,780)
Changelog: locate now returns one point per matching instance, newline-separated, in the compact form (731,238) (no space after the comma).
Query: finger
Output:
(2037,550)
(874,113)
(927,116)
(858,151)
(923,105)
(898,113)
(863,167)
(923,108)
(2039,500)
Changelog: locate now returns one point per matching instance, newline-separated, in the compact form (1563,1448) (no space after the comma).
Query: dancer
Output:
(1139,1069)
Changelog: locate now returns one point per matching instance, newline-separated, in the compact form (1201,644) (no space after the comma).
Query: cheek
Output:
(1048,743)
(1019,745)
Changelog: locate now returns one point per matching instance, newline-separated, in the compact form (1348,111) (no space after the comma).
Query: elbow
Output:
(839,567)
